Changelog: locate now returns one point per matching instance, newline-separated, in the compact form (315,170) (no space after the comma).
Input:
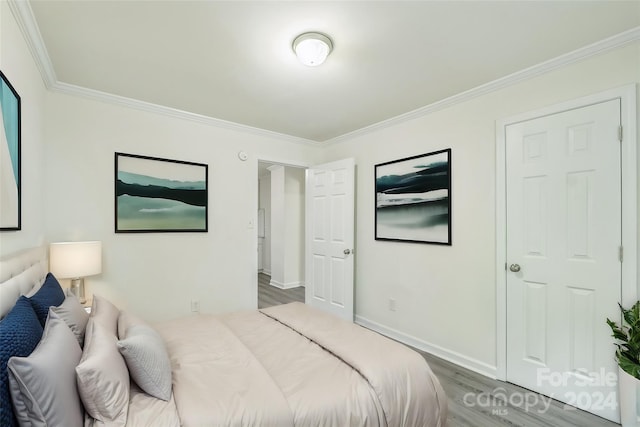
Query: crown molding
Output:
(577,55)
(149,107)
(25,18)
(23,14)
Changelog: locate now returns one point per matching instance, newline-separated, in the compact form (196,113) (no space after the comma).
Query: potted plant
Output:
(628,357)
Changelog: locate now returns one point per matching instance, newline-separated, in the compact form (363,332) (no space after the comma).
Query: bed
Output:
(289,365)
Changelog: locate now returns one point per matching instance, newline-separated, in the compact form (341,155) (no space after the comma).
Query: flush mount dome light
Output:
(312,48)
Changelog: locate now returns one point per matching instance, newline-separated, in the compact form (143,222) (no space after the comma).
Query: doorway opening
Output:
(281,231)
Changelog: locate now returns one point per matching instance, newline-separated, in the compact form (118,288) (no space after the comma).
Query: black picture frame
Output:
(10,156)
(156,195)
(413,199)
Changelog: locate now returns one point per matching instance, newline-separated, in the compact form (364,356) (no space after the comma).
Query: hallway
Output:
(270,295)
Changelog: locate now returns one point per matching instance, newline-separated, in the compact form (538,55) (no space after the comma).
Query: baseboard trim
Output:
(289,285)
(443,353)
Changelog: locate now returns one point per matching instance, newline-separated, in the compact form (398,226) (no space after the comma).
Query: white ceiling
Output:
(232,60)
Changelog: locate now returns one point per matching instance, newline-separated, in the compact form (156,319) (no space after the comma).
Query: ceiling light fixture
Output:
(312,48)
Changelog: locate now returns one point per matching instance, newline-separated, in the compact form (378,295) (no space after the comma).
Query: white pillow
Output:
(74,315)
(43,385)
(147,359)
(103,379)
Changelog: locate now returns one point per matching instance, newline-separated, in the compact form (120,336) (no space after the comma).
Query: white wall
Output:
(446,295)
(19,67)
(157,275)
(277,247)
(265,203)
(294,229)
(287,226)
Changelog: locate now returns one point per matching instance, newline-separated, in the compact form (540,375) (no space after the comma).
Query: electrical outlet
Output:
(392,304)
(195,306)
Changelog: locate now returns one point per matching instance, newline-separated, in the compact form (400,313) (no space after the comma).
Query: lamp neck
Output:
(77,288)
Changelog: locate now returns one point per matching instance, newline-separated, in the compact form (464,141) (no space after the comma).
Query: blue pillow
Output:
(49,294)
(20,333)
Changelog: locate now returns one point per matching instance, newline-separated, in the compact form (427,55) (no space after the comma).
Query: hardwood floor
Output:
(479,401)
(474,400)
(270,295)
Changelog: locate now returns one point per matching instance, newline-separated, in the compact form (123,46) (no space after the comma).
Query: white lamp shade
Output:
(312,48)
(71,260)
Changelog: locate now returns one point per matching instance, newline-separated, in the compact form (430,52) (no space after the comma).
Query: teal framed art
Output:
(10,161)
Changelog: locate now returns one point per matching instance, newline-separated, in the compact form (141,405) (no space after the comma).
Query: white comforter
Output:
(292,365)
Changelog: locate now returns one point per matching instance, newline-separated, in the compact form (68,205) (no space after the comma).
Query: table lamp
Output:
(75,261)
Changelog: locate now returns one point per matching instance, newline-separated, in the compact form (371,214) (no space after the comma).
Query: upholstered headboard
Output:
(21,273)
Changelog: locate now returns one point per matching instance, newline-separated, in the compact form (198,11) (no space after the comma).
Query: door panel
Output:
(330,237)
(563,230)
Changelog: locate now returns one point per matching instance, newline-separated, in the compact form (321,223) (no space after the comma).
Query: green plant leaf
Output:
(627,335)
(629,366)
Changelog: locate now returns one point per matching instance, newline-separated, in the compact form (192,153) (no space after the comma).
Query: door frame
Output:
(627,96)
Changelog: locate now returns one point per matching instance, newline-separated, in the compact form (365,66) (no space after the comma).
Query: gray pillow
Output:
(125,321)
(103,379)
(105,313)
(74,315)
(146,356)
(43,385)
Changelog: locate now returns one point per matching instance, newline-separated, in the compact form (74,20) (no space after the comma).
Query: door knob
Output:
(514,267)
(347,251)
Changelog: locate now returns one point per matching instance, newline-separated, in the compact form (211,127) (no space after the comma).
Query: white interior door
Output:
(330,237)
(564,279)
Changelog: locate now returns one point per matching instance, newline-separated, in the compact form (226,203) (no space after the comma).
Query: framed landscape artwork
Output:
(413,199)
(10,162)
(160,195)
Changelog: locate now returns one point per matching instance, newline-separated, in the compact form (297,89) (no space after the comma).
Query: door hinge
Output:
(620,133)
(620,253)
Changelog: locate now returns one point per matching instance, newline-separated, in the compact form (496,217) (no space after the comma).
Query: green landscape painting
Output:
(159,195)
